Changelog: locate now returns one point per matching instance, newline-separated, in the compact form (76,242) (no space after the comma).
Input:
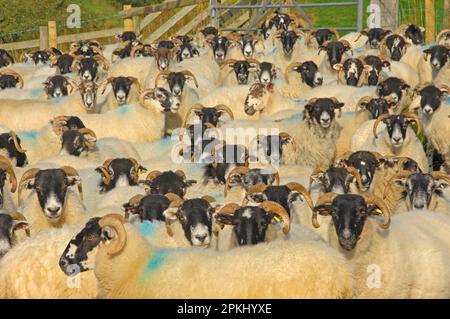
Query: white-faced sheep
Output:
(151,274)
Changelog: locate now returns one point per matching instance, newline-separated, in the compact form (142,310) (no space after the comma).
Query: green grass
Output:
(20,19)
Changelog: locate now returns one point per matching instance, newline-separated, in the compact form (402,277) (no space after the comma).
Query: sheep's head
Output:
(10,79)
(396,126)
(349,213)
(87,67)
(375,36)
(431,97)
(394,46)
(320,36)
(247,44)
(257,98)
(377,64)
(439,56)
(119,172)
(51,187)
(376,106)
(9,223)
(412,33)
(195,216)
(364,162)
(164,56)
(355,71)
(88,91)
(5,58)
(289,39)
(11,143)
(187,51)
(419,188)
(241,68)
(245,177)
(208,115)
(57,86)
(219,45)
(165,100)
(176,80)
(309,73)
(267,72)
(250,223)
(322,111)
(335,50)
(149,207)
(335,179)
(393,87)
(270,147)
(74,142)
(168,182)
(121,87)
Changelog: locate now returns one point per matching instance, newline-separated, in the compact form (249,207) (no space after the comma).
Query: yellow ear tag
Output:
(378,211)
(139,172)
(277,219)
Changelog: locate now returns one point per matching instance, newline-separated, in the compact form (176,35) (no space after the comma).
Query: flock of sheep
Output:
(283,164)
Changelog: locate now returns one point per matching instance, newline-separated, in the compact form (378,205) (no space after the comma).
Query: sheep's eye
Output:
(90,237)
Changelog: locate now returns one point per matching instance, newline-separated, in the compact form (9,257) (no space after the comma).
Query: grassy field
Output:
(20,19)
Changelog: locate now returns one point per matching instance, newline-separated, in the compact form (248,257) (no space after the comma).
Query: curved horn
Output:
(115,221)
(152,175)
(191,75)
(241,170)
(353,171)
(414,118)
(293,186)
(163,74)
(174,199)
(135,81)
(441,35)
(6,165)
(29,174)
(377,122)
(372,199)
(228,62)
(14,74)
(317,170)
(288,136)
(132,203)
(20,217)
(105,84)
(106,176)
(101,58)
(144,95)
(258,188)
(223,107)
(16,142)
(70,171)
(324,199)
(363,100)
(336,33)
(347,44)
(440,175)
(195,107)
(291,67)
(87,131)
(180,173)
(274,207)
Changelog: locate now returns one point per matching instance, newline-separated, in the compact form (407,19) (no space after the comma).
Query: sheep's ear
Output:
(324,210)
(20,224)
(422,29)
(270,87)
(73,180)
(339,105)
(338,67)
(386,64)
(368,68)
(190,182)
(258,197)
(108,233)
(444,93)
(400,182)
(295,197)
(29,184)
(170,214)
(439,186)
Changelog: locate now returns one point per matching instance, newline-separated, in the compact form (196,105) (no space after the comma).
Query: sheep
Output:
(124,90)
(188,96)
(415,241)
(11,148)
(353,72)
(396,138)
(284,52)
(6,171)
(10,79)
(157,283)
(373,37)
(9,224)
(443,37)
(336,52)
(423,191)
(208,115)
(30,269)
(13,111)
(437,65)
(434,115)
(145,122)
(51,203)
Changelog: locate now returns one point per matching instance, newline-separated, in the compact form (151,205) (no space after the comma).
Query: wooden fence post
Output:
(429,21)
(52,42)
(137,24)
(447,14)
(128,22)
(43,38)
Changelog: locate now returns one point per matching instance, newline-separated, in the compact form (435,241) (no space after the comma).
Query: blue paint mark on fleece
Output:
(124,109)
(158,258)
(35,92)
(146,228)
(31,135)
(448,100)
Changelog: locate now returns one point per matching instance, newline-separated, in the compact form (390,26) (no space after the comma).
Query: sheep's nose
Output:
(63,262)
(319,81)
(419,206)
(346,234)
(397,139)
(54,210)
(201,238)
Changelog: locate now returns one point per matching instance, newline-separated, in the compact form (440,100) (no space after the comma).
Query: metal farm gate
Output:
(258,9)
